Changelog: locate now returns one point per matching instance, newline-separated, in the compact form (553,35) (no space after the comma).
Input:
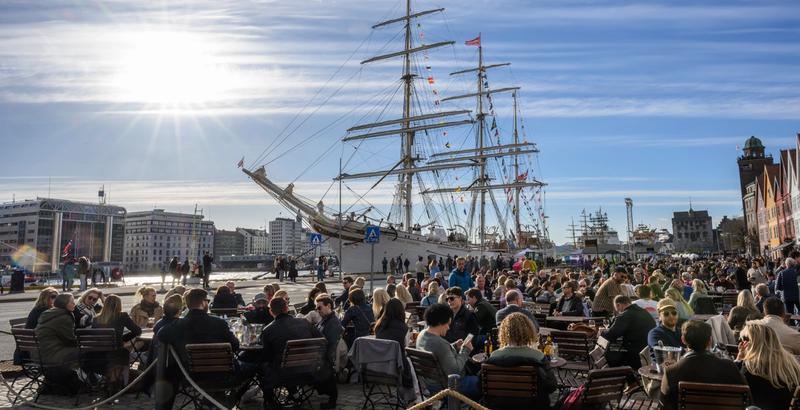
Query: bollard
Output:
(163,387)
(453,381)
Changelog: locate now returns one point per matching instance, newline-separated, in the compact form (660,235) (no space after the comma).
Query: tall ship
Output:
(594,229)
(463,180)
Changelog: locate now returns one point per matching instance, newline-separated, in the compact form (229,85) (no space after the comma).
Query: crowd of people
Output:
(660,303)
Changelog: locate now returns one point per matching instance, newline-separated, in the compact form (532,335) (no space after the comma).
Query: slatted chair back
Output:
(25,339)
(795,404)
(516,384)
(572,345)
(542,308)
(605,385)
(426,365)
(495,303)
(411,306)
(701,396)
(598,358)
(96,340)
(728,301)
(229,312)
(644,356)
(209,358)
(303,355)
(20,322)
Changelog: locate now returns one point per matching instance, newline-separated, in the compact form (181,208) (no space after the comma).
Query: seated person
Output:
(331,328)
(570,303)
(112,316)
(392,326)
(45,301)
(223,299)
(274,338)
(761,294)
(700,302)
(774,310)
(258,312)
(147,307)
(739,315)
(87,308)
(237,296)
(514,305)
(517,338)
(58,345)
(433,294)
(632,325)
(485,313)
(464,321)
(451,357)
(667,331)
(770,370)
(310,305)
(699,365)
(645,302)
(359,315)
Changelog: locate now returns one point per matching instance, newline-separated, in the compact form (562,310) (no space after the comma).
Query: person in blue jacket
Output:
(787,284)
(460,277)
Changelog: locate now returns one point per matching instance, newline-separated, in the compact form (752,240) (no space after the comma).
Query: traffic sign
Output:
(316,239)
(372,234)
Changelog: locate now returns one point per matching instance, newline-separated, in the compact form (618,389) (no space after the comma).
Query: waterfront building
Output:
(693,231)
(751,166)
(287,237)
(152,238)
(35,233)
(256,241)
(228,243)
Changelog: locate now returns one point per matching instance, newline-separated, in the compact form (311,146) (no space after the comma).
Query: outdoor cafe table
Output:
(555,362)
(147,335)
(703,317)
(573,319)
(649,372)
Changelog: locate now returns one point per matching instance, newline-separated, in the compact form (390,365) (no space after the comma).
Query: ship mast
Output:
(517,229)
(408,140)
(482,160)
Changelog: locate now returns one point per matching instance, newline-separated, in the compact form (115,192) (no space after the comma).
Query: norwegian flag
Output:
(522,177)
(67,249)
(474,42)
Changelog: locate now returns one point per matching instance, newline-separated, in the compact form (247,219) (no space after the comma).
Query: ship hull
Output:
(355,257)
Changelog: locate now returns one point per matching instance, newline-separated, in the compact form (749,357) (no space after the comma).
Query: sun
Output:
(171,68)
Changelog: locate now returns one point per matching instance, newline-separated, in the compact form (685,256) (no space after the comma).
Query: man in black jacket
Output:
(698,366)
(631,325)
(274,338)
(484,311)
(341,300)
(569,304)
(464,321)
(514,305)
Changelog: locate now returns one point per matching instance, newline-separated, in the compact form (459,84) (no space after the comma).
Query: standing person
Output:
(603,303)
(385,265)
(292,269)
(787,284)
(207,261)
(420,268)
(460,277)
(321,269)
(406,264)
(185,268)
(84,267)
(393,265)
(68,275)
(174,269)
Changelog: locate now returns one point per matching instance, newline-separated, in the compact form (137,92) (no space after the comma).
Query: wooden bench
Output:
(509,386)
(702,396)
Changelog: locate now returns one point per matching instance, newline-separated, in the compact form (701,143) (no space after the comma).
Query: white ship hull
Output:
(355,256)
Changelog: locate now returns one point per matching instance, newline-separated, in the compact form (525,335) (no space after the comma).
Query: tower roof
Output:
(753,143)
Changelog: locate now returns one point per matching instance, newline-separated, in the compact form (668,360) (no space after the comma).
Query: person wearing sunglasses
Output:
(464,320)
(332,329)
(87,308)
(667,331)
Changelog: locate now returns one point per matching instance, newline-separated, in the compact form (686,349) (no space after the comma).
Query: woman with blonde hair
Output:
(433,294)
(685,311)
(113,317)
(177,290)
(747,301)
(518,339)
(380,297)
(43,302)
(86,309)
(699,301)
(770,370)
(359,282)
(146,308)
(402,293)
(500,290)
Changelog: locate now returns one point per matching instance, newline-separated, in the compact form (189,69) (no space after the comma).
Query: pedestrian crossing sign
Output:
(316,239)
(372,234)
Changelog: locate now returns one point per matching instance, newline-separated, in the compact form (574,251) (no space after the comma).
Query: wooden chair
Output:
(427,369)
(20,322)
(605,386)
(701,396)
(32,369)
(597,358)
(576,348)
(728,301)
(211,366)
(95,346)
(504,387)
(300,363)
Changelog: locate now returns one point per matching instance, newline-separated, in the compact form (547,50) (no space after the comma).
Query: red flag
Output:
(67,249)
(431,80)
(240,163)
(474,42)
(522,177)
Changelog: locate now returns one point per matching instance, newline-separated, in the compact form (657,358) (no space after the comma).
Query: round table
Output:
(573,319)
(554,362)
(147,335)
(649,372)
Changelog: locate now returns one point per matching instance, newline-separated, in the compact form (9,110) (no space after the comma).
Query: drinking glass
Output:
(555,351)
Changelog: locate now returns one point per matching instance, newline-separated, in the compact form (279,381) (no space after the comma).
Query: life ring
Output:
(117,273)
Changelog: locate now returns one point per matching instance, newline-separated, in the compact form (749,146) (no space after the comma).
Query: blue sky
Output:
(159,100)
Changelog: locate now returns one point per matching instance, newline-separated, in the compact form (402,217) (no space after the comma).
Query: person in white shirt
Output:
(644,301)
(773,318)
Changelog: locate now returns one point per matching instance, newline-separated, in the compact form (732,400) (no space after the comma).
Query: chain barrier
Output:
(118,394)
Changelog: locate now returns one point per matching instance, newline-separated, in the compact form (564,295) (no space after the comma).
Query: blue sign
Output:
(372,234)
(316,239)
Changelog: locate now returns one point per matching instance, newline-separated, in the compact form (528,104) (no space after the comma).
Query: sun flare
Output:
(171,68)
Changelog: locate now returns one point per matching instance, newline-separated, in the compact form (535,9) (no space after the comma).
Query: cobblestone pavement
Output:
(350,397)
